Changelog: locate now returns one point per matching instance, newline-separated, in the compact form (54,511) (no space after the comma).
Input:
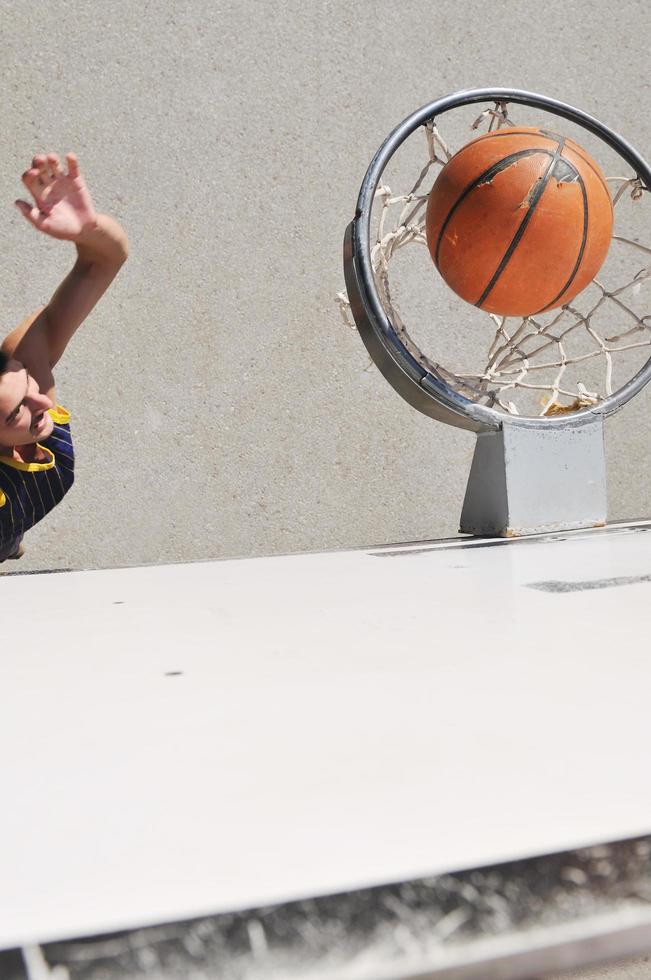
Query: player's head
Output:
(24,417)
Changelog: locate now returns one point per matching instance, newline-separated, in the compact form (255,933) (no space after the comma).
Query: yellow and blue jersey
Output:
(28,491)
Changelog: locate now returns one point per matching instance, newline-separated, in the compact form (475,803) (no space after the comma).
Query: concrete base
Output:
(531,479)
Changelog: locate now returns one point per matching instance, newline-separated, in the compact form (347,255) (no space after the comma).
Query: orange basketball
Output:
(519,221)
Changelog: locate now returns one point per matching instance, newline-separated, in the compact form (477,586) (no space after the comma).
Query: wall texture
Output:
(220,405)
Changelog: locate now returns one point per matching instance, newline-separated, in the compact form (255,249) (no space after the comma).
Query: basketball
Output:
(519,221)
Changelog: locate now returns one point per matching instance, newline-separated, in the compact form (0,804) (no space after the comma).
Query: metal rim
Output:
(457,409)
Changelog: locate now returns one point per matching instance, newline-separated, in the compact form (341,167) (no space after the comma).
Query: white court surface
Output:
(189,739)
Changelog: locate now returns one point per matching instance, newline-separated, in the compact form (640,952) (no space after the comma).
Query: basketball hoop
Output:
(560,372)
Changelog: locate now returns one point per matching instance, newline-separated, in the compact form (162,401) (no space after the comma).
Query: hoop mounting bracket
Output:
(533,480)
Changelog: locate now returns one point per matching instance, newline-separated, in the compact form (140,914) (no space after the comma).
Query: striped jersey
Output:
(28,491)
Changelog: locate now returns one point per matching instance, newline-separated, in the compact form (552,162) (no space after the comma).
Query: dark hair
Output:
(4,361)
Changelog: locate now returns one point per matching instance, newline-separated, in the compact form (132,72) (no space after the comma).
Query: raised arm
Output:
(63,209)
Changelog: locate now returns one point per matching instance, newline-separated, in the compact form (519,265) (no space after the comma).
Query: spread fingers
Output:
(55,165)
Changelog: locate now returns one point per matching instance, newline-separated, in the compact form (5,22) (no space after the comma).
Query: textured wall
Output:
(220,405)
(637,969)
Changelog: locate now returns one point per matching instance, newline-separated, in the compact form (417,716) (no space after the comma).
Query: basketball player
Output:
(36,452)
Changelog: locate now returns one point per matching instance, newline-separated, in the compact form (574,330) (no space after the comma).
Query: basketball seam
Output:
(579,260)
(506,258)
(548,135)
(493,170)
(502,132)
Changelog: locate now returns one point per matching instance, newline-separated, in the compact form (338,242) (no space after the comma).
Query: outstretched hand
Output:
(63,206)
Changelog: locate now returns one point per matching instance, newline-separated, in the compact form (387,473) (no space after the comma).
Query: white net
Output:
(558,362)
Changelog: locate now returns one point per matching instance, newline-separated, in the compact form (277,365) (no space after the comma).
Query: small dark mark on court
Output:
(119,602)
(599,583)
(173,673)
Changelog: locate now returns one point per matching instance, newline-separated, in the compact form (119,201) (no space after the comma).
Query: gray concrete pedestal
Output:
(532,479)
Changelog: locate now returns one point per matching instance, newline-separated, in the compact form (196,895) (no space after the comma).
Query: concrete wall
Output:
(220,406)
(637,969)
